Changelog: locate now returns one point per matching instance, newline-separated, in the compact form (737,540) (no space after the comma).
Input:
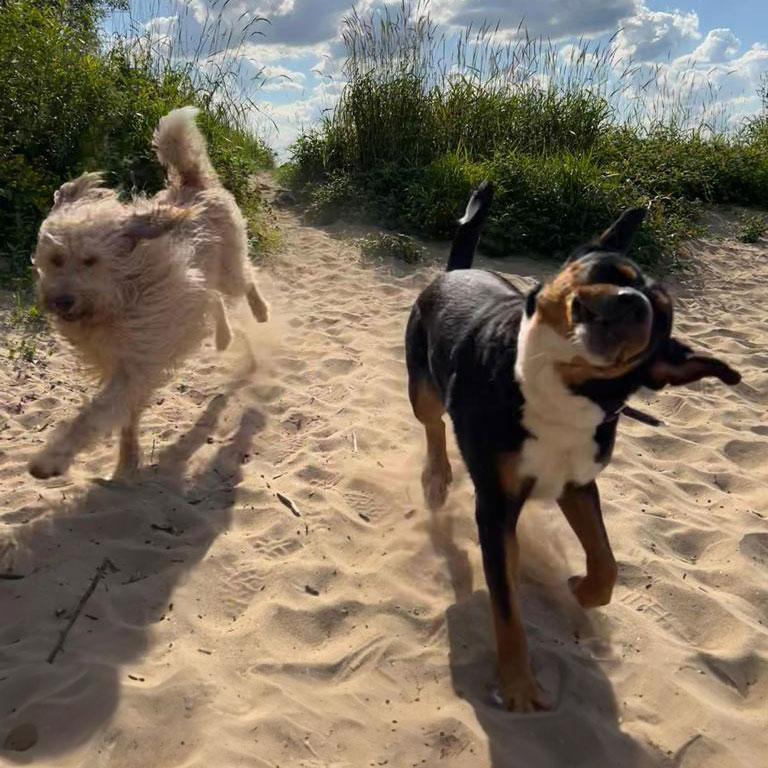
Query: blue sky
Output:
(714,42)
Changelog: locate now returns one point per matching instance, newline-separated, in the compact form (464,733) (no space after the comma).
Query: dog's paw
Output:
(435,481)
(522,694)
(592,593)
(46,465)
(259,307)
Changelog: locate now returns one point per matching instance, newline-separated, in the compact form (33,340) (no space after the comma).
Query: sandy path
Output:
(358,634)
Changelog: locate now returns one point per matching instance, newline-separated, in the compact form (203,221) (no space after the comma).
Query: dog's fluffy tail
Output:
(467,235)
(181,149)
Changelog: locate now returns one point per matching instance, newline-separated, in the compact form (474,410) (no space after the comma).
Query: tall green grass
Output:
(72,100)
(569,137)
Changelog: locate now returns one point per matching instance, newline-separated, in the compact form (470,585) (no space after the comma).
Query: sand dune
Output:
(354,631)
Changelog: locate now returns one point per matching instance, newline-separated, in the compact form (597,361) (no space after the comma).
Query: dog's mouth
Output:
(72,315)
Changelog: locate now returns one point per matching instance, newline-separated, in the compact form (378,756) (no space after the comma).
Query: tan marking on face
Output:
(661,297)
(630,272)
(587,292)
(555,301)
(553,304)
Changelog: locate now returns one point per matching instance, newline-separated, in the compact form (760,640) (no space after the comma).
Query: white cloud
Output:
(719,45)
(197,8)
(552,18)
(280,78)
(650,35)
(161,25)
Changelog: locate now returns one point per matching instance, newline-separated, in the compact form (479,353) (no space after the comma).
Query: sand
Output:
(354,630)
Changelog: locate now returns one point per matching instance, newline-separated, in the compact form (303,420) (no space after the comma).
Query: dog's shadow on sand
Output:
(582,728)
(154,530)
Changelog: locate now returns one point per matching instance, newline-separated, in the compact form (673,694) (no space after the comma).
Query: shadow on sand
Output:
(154,530)
(581,730)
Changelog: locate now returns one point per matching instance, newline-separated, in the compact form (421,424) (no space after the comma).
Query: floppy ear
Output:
(530,299)
(619,235)
(678,364)
(87,184)
(148,225)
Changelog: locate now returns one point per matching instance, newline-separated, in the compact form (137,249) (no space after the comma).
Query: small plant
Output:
(400,247)
(24,350)
(753,228)
(26,315)
(27,321)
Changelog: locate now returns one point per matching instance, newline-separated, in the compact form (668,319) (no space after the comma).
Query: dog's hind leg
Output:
(223,329)
(428,409)
(111,408)
(256,302)
(581,507)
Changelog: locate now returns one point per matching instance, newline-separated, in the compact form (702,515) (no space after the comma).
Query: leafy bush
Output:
(753,229)
(419,123)
(69,103)
(400,247)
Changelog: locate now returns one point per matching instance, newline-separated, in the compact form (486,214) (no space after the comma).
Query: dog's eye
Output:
(89,261)
(57,260)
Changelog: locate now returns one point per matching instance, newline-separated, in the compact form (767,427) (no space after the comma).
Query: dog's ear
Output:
(619,235)
(147,225)
(677,364)
(530,300)
(79,188)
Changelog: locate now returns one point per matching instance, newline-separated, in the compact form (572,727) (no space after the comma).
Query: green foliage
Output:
(70,104)
(420,123)
(753,228)
(327,200)
(26,321)
(400,247)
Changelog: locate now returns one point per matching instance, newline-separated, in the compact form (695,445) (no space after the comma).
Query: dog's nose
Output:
(63,303)
(624,306)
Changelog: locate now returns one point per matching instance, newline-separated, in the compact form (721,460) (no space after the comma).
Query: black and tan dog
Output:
(534,385)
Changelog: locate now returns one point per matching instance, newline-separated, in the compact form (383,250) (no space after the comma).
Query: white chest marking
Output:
(562,425)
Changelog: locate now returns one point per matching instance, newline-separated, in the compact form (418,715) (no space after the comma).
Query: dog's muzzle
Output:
(616,324)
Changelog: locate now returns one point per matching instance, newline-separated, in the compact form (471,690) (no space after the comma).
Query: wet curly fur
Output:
(134,287)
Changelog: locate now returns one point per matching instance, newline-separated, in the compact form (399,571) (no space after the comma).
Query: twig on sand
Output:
(288,503)
(107,566)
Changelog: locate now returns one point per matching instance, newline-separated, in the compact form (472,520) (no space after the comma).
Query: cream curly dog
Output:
(133,287)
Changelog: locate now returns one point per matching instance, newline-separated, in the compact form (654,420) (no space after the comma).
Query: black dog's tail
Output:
(470,224)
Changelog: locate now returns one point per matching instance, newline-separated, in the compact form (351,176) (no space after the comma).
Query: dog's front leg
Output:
(128,460)
(496,520)
(111,408)
(581,507)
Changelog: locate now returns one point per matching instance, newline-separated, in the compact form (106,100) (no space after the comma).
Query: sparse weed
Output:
(753,228)
(400,247)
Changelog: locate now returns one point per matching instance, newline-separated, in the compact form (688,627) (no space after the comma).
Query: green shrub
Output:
(69,103)
(399,246)
(421,121)
(753,229)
